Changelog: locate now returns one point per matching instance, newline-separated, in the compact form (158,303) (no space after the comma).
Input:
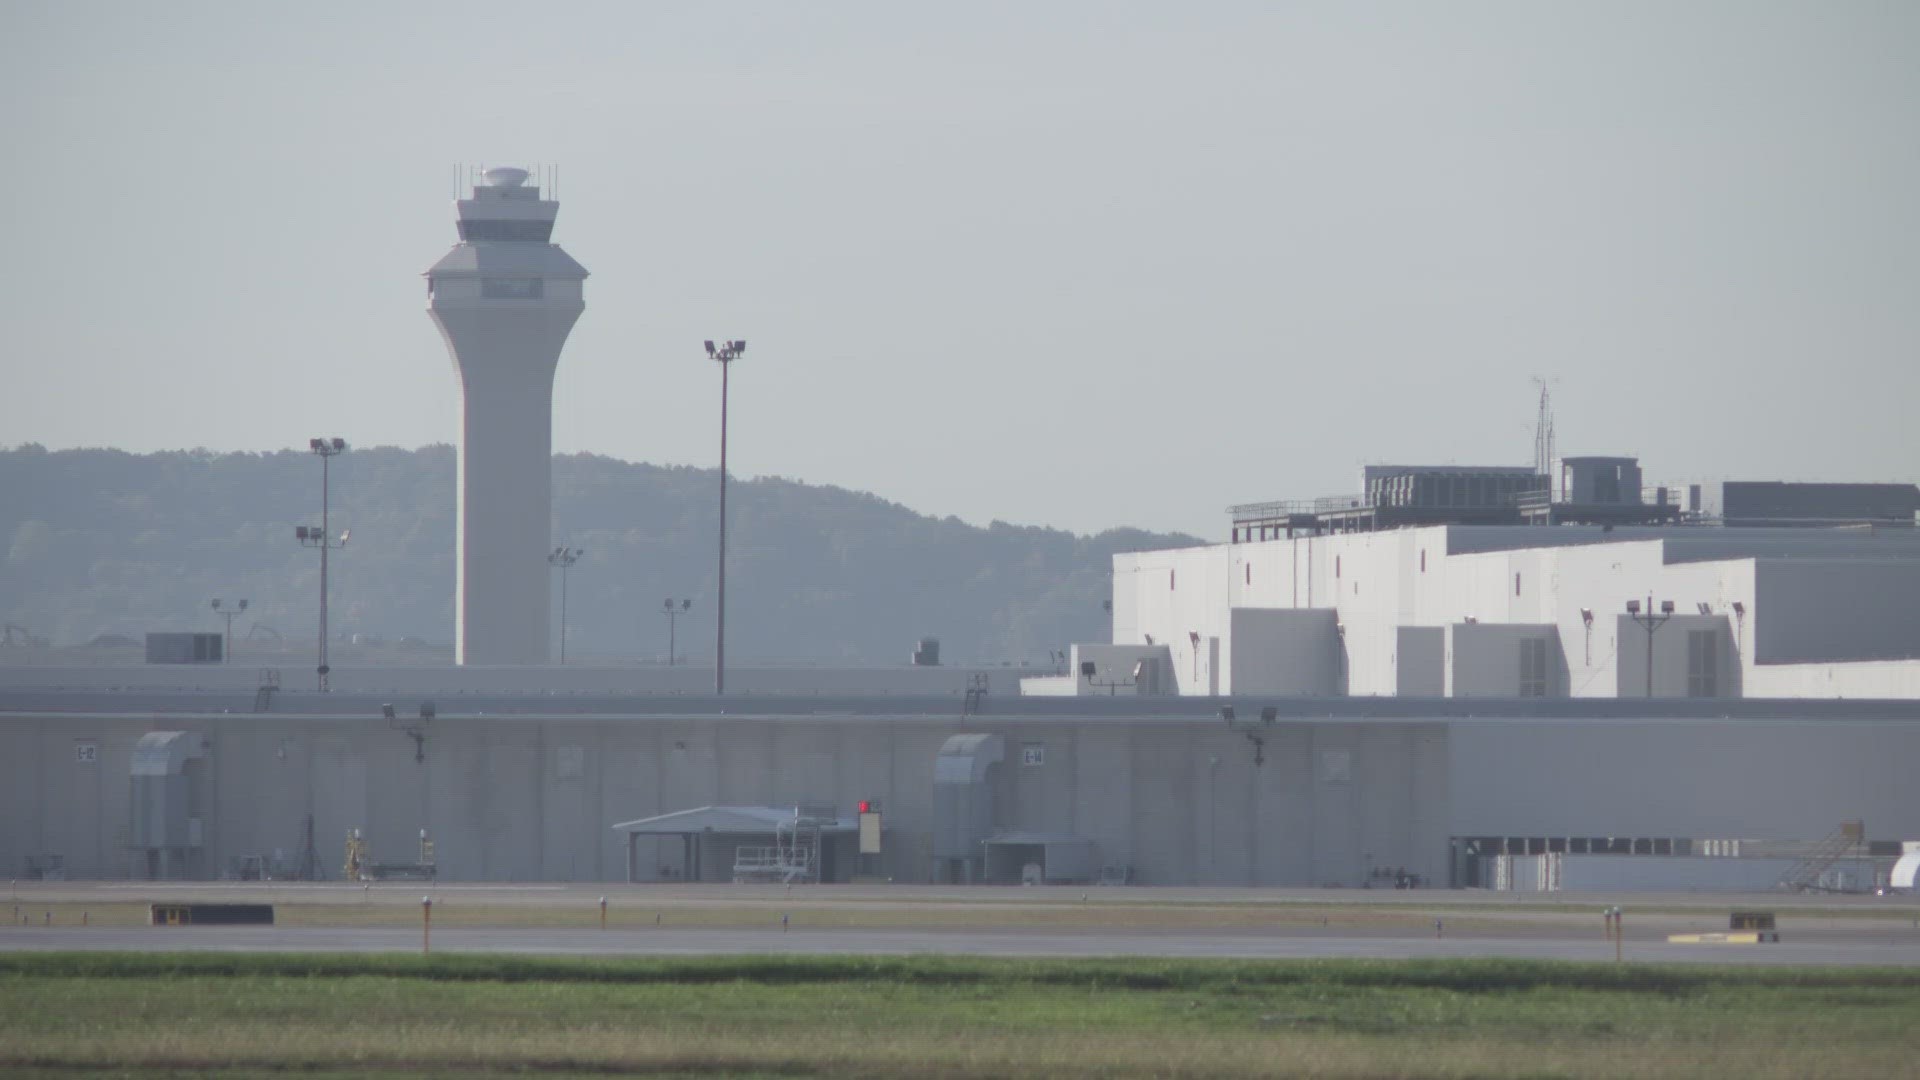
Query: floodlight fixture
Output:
(1705,608)
(1087,669)
(1268,714)
(1633,607)
(1739,608)
(1586,616)
(387,711)
(1666,607)
(1226,713)
(427,711)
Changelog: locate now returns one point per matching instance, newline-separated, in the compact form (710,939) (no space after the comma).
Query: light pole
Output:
(564,558)
(674,613)
(1650,622)
(326,450)
(226,643)
(725,352)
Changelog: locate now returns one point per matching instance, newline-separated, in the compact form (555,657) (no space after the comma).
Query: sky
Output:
(1072,264)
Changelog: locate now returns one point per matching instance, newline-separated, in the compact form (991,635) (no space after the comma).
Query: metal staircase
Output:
(794,855)
(1847,841)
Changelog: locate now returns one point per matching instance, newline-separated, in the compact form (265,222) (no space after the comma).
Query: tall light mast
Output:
(504,299)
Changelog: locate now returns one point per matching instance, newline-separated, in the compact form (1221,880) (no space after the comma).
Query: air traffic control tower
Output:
(504,299)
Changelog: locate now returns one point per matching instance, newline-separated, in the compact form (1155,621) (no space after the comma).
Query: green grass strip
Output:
(1466,975)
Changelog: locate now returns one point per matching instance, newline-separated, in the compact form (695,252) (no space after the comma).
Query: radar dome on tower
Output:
(505,176)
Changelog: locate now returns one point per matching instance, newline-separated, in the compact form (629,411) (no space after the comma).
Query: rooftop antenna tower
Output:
(1543,434)
(505,299)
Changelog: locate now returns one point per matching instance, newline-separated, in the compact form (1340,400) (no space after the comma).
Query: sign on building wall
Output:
(869,827)
(86,753)
(1033,753)
(570,762)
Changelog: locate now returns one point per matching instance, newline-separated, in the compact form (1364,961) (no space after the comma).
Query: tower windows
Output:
(503,288)
(541,231)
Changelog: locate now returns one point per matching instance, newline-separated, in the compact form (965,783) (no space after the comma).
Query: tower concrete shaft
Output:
(505,299)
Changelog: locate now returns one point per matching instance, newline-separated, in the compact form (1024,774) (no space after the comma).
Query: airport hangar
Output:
(1292,791)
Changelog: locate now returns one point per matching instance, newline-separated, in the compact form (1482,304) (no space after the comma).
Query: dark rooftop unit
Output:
(1770,502)
(1591,491)
(1397,496)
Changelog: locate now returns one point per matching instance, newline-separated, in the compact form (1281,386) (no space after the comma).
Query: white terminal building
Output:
(1461,582)
(504,299)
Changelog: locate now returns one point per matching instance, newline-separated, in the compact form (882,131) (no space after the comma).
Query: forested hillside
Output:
(105,542)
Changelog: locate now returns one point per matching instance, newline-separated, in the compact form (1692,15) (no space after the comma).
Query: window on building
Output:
(1703,663)
(1423,560)
(1336,566)
(541,231)
(512,288)
(1516,584)
(1533,667)
(1169,581)
(1249,573)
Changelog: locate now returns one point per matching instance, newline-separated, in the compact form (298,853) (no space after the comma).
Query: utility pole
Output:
(1650,622)
(226,643)
(564,558)
(674,613)
(726,352)
(322,538)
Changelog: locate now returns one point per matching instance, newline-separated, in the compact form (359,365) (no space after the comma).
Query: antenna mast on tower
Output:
(1543,434)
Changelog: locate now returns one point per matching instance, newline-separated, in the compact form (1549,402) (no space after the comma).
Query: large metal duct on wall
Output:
(963,802)
(169,803)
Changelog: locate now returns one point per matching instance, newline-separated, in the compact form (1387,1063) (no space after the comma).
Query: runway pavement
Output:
(1865,950)
(901,920)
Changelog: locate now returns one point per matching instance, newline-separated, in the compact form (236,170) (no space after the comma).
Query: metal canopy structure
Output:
(801,848)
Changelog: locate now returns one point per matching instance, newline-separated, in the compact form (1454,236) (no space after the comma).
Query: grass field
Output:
(161,1014)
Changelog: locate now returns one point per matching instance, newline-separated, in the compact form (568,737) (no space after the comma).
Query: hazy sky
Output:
(1074,264)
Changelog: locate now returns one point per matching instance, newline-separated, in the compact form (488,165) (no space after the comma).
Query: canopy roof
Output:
(738,820)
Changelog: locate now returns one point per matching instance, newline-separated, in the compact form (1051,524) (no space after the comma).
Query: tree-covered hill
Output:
(106,542)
